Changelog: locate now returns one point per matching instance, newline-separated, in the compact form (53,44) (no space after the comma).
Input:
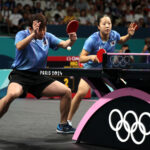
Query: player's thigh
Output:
(56,88)
(83,87)
(14,90)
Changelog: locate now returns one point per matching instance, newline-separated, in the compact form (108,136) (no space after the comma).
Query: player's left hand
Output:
(131,29)
(73,36)
(36,26)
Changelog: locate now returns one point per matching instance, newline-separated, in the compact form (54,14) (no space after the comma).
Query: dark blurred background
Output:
(14,13)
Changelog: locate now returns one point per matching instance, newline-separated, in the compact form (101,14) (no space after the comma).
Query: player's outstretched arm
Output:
(70,41)
(131,30)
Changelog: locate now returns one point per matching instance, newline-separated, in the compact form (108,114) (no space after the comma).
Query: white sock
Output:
(69,122)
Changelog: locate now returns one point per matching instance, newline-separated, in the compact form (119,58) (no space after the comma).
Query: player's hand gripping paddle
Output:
(100,55)
(72,26)
(71,29)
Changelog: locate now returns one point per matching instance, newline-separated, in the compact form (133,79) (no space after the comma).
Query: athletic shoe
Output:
(65,129)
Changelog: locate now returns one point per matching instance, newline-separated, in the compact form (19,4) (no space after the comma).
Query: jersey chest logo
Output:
(33,40)
(112,43)
(45,42)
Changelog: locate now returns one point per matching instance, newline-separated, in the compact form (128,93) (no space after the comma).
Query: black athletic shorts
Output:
(31,82)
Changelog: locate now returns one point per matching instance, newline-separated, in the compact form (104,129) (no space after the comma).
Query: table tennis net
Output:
(126,60)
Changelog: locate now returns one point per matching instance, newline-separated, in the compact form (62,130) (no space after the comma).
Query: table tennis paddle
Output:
(72,26)
(100,54)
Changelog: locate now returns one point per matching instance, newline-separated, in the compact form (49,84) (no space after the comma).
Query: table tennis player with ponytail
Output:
(104,40)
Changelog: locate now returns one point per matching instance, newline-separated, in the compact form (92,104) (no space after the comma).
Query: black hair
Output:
(127,50)
(125,45)
(100,17)
(40,18)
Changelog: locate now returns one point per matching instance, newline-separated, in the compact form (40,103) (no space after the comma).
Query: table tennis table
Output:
(119,119)
(117,78)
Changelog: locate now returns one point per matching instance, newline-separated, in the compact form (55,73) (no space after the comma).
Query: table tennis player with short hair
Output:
(106,39)
(32,47)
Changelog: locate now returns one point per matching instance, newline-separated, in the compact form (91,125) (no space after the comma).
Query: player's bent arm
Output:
(70,41)
(125,38)
(85,57)
(131,31)
(22,44)
(65,44)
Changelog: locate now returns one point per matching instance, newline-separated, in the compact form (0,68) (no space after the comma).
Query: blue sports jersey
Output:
(94,43)
(34,56)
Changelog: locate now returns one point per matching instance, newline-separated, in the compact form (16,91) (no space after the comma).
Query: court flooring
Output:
(31,125)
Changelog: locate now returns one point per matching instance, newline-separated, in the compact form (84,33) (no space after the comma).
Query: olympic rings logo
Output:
(130,129)
(120,61)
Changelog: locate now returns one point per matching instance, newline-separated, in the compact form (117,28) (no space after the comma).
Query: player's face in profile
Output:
(105,25)
(41,33)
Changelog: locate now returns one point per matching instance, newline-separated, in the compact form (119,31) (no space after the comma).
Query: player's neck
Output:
(104,37)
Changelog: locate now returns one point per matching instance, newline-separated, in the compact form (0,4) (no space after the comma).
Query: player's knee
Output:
(68,92)
(12,95)
(81,94)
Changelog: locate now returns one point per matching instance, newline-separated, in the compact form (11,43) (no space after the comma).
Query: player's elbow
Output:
(18,46)
(81,60)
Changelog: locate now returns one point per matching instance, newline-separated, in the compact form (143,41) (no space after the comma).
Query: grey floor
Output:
(31,125)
